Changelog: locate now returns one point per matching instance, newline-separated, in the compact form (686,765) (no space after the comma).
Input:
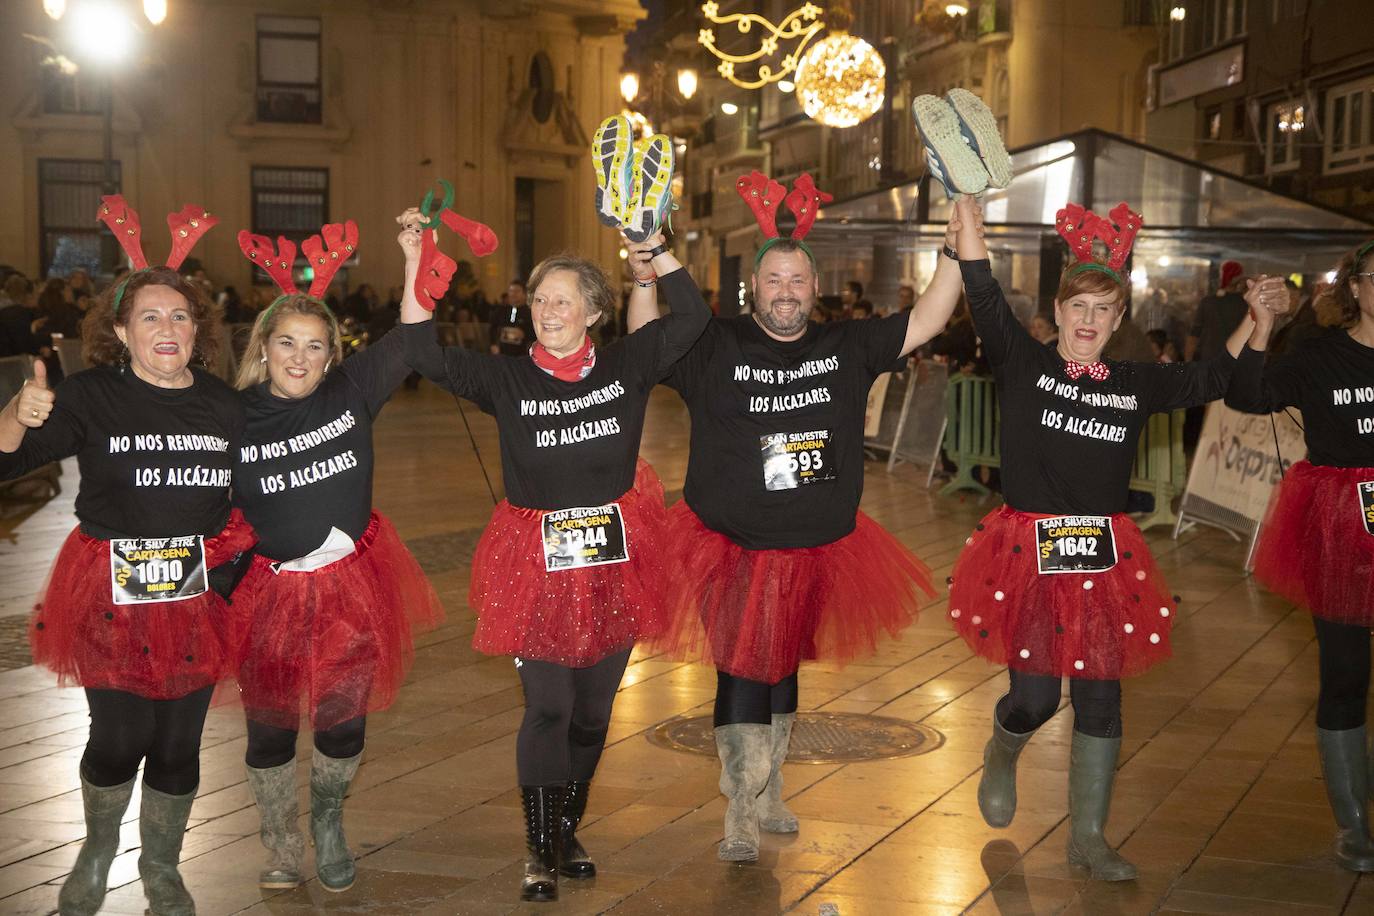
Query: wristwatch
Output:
(950,252)
(657,250)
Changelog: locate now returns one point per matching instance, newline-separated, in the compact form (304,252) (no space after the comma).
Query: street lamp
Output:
(629,87)
(687,83)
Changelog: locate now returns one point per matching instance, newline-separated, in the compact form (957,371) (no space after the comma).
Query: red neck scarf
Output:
(571,368)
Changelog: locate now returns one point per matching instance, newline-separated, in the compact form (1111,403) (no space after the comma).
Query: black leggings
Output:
(127,729)
(1034,698)
(269,746)
(1344,652)
(739,700)
(567,715)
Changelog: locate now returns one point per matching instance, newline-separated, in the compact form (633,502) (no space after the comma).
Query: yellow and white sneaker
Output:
(651,195)
(612,158)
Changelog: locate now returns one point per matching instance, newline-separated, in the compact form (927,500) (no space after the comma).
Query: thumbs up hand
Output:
(34,402)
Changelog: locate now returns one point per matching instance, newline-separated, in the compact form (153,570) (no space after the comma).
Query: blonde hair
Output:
(253,368)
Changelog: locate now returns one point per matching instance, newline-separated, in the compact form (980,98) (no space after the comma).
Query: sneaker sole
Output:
(611,159)
(948,154)
(980,127)
(652,194)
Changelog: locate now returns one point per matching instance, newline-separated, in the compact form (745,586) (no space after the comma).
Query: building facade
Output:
(279,116)
(1045,68)
(1278,91)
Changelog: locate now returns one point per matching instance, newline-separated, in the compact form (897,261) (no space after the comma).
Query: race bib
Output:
(1366,491)
(512,335)
(791,460)
(587,536)
(157,569)
(1075,544)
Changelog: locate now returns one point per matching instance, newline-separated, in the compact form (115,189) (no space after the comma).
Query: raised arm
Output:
(933,310)
(643,305)
(35,429)
(672,335)
(1177,385)
(1002,334)
(1257,387)
(455,369)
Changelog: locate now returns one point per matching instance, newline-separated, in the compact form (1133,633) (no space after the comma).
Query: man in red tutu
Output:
(1317,544)
(775,564)
(1059,581)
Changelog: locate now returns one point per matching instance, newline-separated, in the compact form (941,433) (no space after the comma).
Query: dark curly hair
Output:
(1339,291)
(100,346)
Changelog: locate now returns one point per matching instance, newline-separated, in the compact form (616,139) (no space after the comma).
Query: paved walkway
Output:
(1219,800)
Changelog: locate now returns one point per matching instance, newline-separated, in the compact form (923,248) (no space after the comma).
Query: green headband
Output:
(1364,250)
(119,293)
(1084,266)
(772,243)
(267,312)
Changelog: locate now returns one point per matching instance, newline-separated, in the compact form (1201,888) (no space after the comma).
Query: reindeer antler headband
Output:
(186,226)
(436,269)
(325,252)
(762,195)
(1080,227)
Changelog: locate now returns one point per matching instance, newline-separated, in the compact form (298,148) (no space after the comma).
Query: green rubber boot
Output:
(274,789)
(162,827)
(997,786)
(1345,768)
(329,782)
(84,890)
(1092,770)
(774,816)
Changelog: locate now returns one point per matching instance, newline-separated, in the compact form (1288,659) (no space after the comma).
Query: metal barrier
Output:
(972,439)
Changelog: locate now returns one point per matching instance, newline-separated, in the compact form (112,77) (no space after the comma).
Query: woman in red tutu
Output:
(1317,545)
(336,596)
(773,562)
(568,574)
(132,610)
(1059,582)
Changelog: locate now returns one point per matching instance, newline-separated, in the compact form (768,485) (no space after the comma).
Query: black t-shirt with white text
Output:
(154,462)
(777,427)
(1330,378)
(569,444)
(305,464)
(1068,446)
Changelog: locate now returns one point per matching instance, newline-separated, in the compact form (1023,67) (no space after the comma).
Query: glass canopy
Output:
(1193,214)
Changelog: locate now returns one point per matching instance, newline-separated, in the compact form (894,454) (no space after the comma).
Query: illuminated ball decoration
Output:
(840,80)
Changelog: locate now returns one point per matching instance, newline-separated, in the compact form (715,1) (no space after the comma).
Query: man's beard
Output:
(769,322)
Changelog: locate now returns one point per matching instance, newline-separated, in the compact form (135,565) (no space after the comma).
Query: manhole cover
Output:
(817,737)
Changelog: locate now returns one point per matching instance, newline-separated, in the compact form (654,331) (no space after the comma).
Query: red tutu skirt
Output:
(1099,626)
(573,617)
(337,641)
(160,650)
(1314,549)
(757,614)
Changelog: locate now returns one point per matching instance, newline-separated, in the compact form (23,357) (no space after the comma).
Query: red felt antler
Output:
(328,255)
(479,236)
(277,263)
(1078,227)
(187,226)
(805,202)
(1126,224)
(435,271)
(123,222)
(762,195)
